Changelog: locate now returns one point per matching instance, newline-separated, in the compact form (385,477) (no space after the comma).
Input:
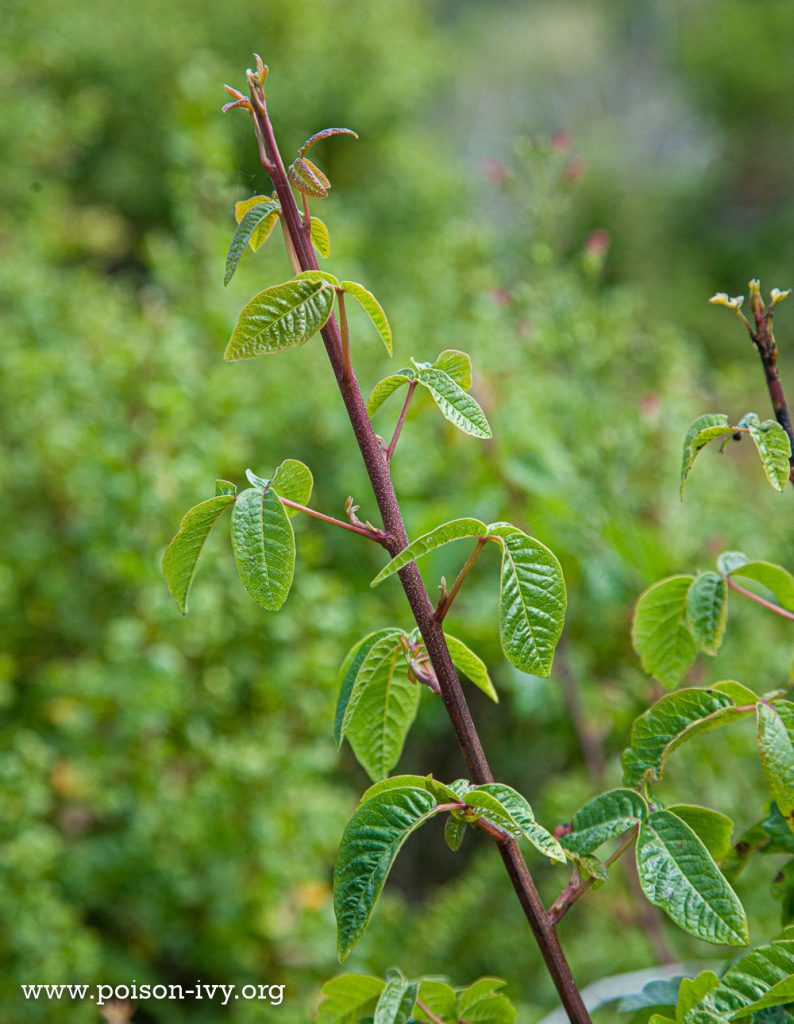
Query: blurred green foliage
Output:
(171,797)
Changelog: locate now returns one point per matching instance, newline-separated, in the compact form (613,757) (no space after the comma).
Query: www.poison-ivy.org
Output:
(101,994)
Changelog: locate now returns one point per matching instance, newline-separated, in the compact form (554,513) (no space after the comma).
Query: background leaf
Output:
(678,874)
(280,318)
(532,600)
(182,554)
(660,633)
(264,547)
(672,720)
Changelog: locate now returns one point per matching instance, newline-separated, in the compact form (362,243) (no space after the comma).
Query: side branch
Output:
(759,600)
(377,535)
(446,601)
(578,886)
(763,338)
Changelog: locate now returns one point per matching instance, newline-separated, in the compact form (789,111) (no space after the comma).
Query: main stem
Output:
(764,340)
(377,466)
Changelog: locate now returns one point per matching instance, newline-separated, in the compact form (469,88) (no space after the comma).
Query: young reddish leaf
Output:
(326,133)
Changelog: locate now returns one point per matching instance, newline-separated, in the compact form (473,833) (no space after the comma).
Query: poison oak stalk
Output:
(377,465)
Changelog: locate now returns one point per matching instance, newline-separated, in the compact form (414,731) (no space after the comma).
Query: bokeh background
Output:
(556,187)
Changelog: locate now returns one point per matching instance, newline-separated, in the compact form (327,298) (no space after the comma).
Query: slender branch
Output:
(428,1013)
(400,421)
(377,535)
(759,600)
(577,886)
(446,601)
(763,338)
(377,467)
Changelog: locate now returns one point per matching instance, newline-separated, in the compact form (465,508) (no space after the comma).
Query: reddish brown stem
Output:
(764,340)
(428,1013)
(578,886)
(377,466)
(759,600)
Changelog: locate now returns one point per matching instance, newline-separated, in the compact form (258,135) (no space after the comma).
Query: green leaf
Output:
(454,833)
(280,318)
(263,231)
(516,816)
(384,642)
(249,224)
(745,982)
(386,387)
(606,816)
(482,1003)
(654,995)
(455,364)
(456,529)
(373,309)
(692,990)
(774,448)
(738,692)
(321,239)
(678,874)
(779,830)
(396,1001)
(776,747)
(456,404)
(384,706)
(707,611)
(264,547)
(713,828)
(317,275)
(471,666)
(347,998)
(659,632)
(532,600)
(225,487)
(370,844)
(182,554)
(669,723)
(438,997)
(773,577)
(442,793)
(294,481)
(781,994)
(308,179)
(706,428)
(729,561)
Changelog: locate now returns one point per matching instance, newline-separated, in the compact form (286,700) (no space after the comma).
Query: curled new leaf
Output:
(678,874)
(326,133)
(373,309)
(280,318)
(370,844)
(532,600)
(660,633)
(456,529)
(182,554)
(264,546)
(307,178)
